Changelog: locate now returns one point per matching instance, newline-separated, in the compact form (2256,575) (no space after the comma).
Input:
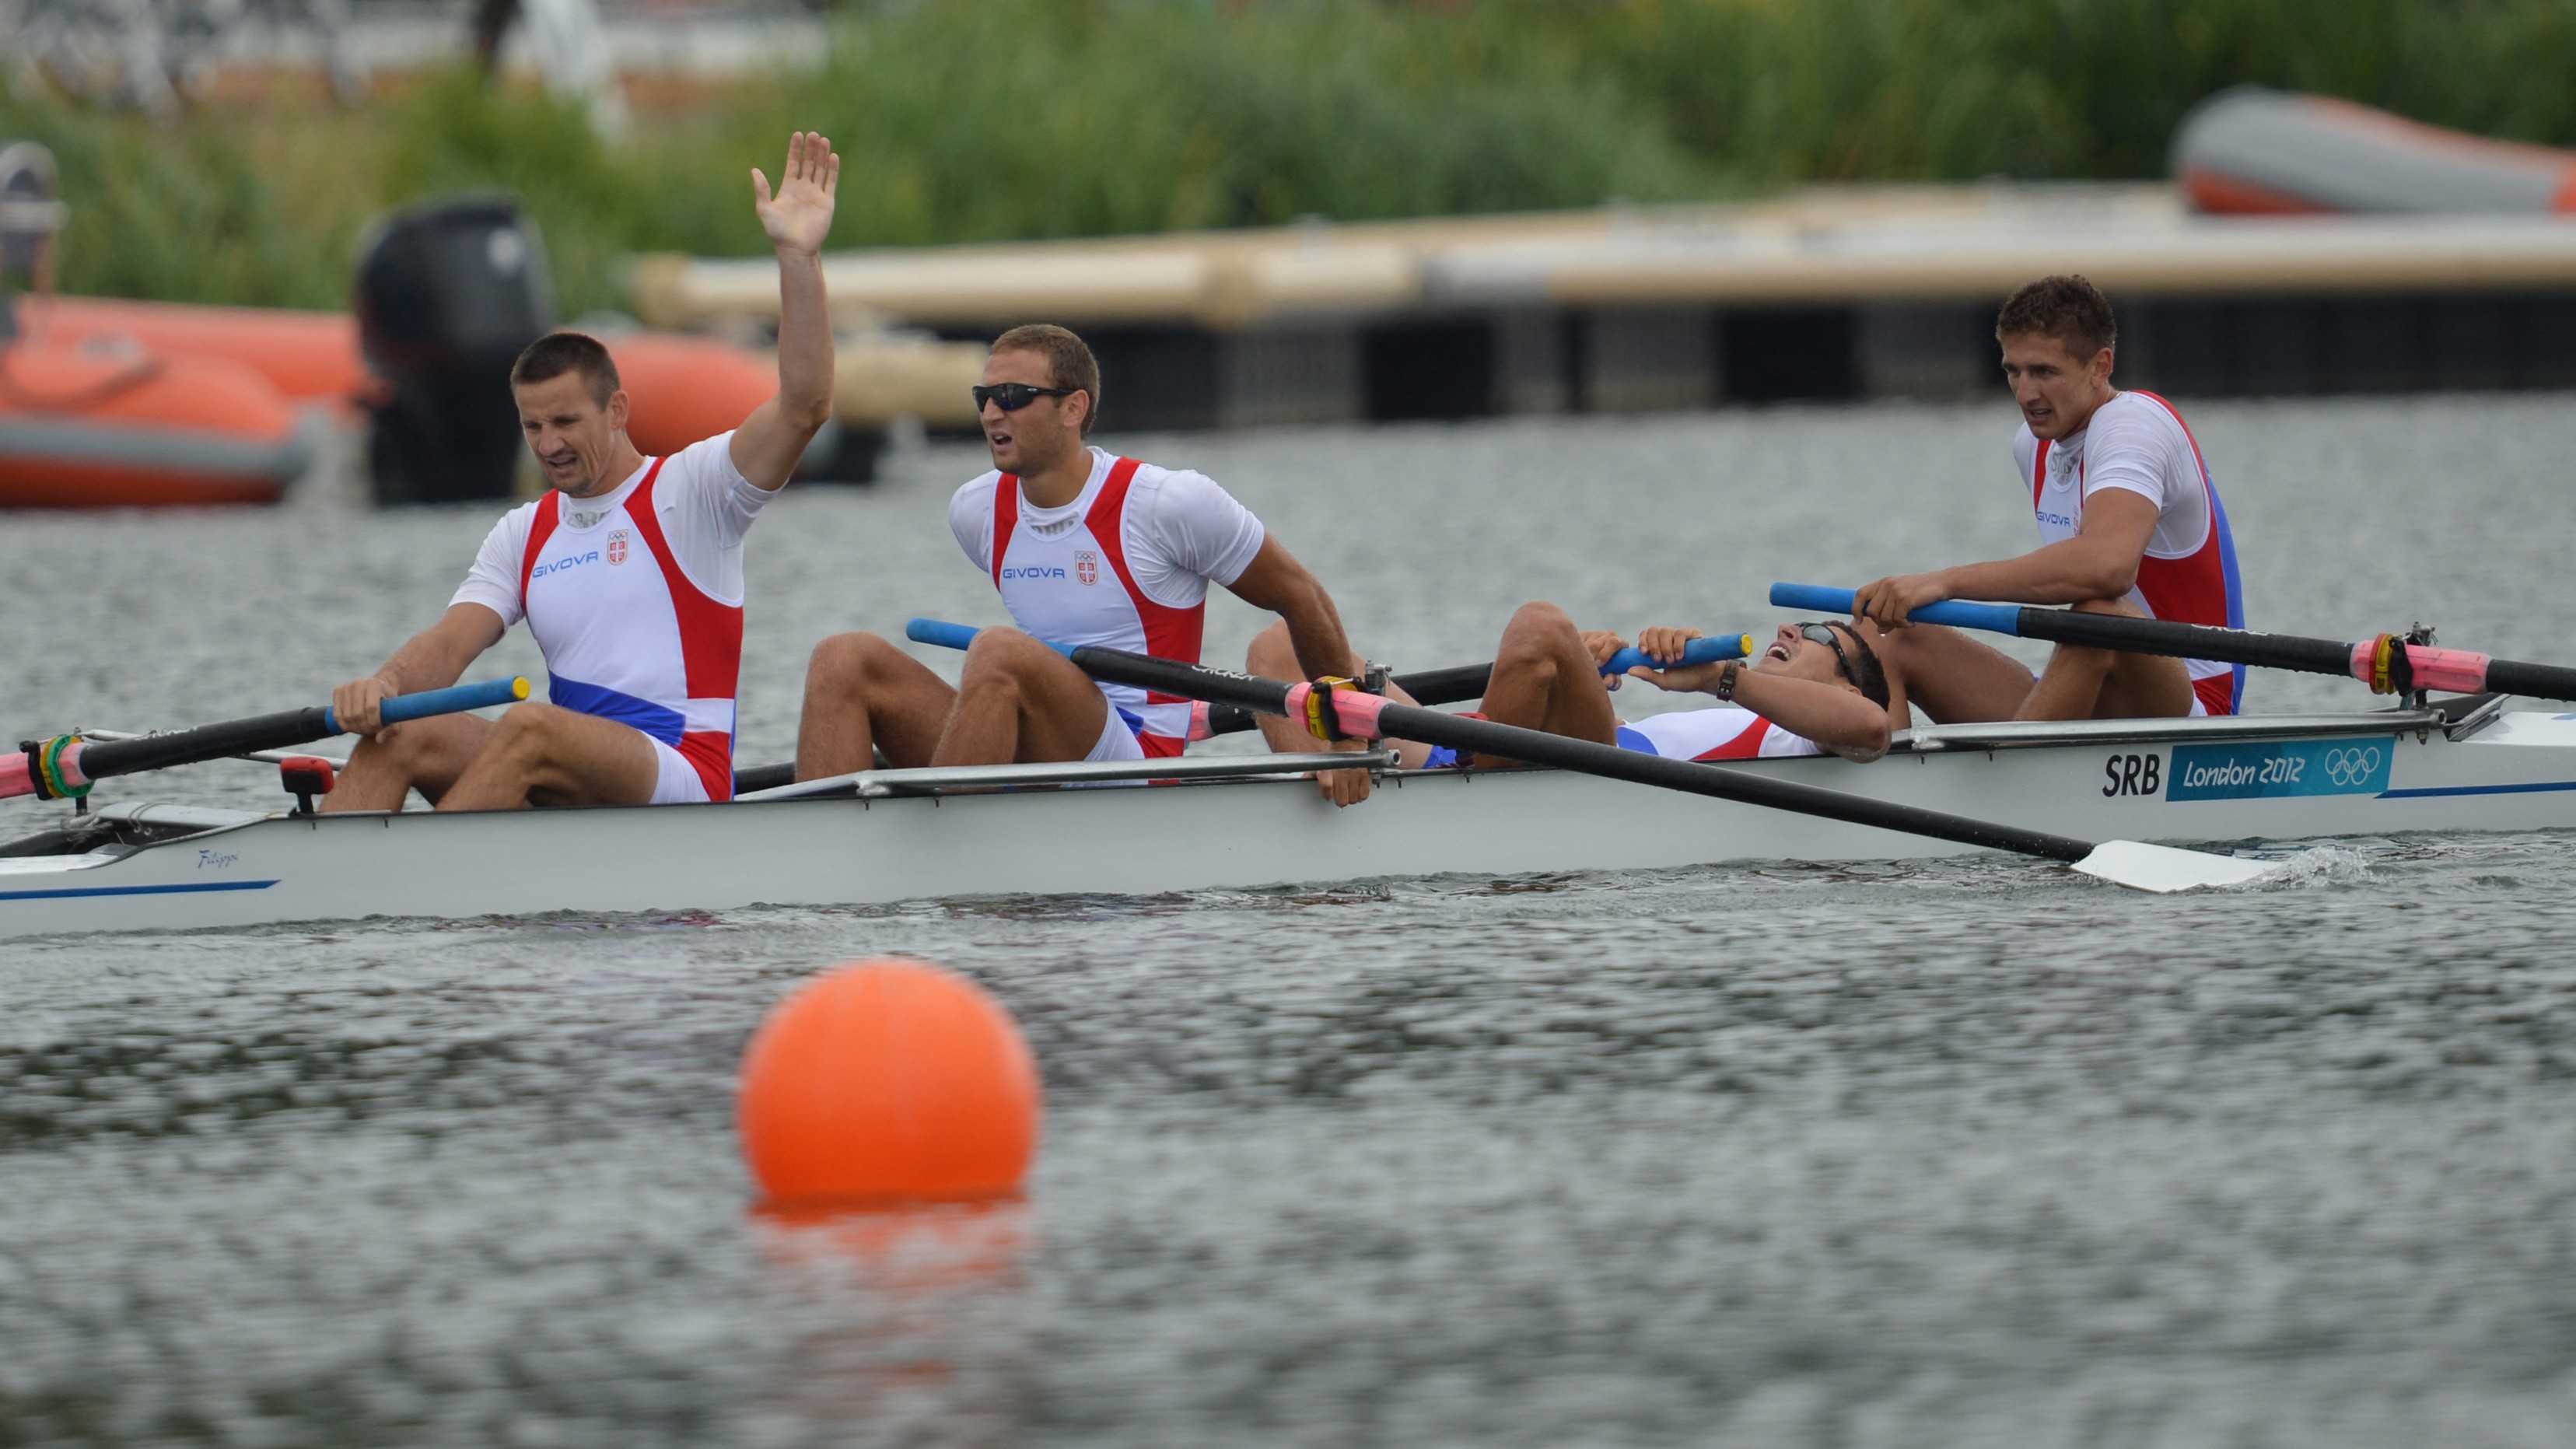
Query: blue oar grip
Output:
(957,636)
(1991,618)
(1697,651)
(450,700)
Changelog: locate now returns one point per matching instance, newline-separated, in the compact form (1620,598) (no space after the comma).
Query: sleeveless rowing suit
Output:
(1126,565)
(2139,442)
(635,599)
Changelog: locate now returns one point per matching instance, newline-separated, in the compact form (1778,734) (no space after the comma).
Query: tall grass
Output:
(1956,89)
(989,119)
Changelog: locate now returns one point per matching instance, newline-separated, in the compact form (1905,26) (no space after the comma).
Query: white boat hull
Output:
(2183,781)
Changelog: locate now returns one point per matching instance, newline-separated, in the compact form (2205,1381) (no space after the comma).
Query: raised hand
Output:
(799,217)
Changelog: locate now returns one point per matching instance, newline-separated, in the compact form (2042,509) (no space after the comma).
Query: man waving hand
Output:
(629,574)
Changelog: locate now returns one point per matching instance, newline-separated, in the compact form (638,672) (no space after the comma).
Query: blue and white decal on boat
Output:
(2268,769)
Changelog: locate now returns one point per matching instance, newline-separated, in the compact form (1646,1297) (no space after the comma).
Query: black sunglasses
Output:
(1014,396)
(1831,638)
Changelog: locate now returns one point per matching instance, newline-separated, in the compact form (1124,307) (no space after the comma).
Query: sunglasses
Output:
(1014,396)
(1831,638)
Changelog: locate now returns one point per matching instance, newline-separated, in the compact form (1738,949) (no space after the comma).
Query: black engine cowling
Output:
(448,294)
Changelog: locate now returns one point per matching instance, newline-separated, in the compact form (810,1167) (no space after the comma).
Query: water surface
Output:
(1969,1151)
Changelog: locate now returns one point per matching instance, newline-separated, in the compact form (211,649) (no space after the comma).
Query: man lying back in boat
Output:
(1086,548)
(629,574)
(2129,523)
(1819,688)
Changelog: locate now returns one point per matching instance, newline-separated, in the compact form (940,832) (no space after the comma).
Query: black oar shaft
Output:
(2537,681)
(2187,641)
(1269,696)
(278,731)
(2272,651)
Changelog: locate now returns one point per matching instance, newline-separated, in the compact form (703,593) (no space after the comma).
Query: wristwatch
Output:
(1725,689)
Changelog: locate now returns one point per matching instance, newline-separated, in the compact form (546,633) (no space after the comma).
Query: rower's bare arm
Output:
(1900,709)
(1842,720)
(1274,580)
(798,219)
(433,659)
(2100,562)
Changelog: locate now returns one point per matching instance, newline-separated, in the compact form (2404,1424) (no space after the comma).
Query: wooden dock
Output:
(1828,293)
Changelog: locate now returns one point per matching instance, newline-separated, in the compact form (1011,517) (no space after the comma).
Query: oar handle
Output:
(1697,651)
(455,699)
(956,636)
(1992,618)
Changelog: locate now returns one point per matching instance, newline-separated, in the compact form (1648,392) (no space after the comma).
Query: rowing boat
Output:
(1249,821)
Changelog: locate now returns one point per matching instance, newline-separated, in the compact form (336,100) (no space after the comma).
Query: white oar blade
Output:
(2162,868)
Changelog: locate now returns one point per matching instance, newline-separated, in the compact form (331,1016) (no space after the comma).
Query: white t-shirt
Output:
(1180,529)
(706,507)
(2132,442)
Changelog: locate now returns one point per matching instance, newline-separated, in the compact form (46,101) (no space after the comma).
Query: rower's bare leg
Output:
(1951,676)
(1544,679)
(1020,702)
(862,695)
(424,754)
(1274,656)
(544,754)
(2087,683)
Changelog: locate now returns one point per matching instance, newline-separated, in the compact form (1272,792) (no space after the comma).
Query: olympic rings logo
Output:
(2351,766)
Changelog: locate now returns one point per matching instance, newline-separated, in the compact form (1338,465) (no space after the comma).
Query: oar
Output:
(1352,712)
(2387,663)
(1454,685)
(65,767)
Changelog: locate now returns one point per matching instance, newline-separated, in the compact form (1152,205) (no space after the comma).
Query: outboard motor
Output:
(449,294)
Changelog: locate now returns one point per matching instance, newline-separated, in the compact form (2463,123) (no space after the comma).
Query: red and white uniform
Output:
(1722,732)
(2138,442)
(1126,565)
(635,598)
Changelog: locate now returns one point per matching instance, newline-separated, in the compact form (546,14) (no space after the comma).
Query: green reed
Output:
(994,119)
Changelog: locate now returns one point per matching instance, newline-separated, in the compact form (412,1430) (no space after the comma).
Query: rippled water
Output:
(1964,1151)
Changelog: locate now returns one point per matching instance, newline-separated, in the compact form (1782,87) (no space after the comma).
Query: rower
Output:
(2129,522)
(629,574)
(1086,548)
(1819,688)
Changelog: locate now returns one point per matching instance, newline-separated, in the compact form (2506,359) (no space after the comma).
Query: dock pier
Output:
(1829,294)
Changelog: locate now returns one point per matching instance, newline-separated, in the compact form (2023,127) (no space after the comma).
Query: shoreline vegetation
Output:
(981,120)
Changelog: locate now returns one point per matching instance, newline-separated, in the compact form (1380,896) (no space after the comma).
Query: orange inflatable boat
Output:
(682,388)
(99,423)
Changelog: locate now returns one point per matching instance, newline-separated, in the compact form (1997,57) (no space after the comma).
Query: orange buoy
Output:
(888,1080)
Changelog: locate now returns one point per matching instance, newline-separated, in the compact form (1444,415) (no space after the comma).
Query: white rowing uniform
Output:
(1723,732)
(635,599)
(2138,442)
(1718,732)
(1125,565)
